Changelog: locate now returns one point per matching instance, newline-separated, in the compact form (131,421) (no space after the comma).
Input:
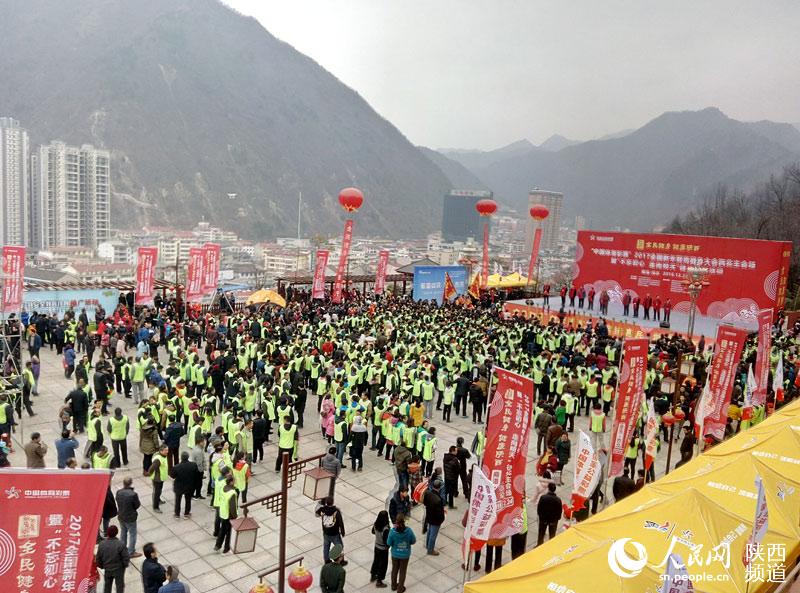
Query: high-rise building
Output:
(72,200)
(460,220)
(14,201)
(552,224)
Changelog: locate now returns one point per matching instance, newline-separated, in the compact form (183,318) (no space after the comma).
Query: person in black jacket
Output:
(153,573)
(185,480)
(79,405)
(127,514)
(452,471)
(112,557)
(260,436)
(549,511)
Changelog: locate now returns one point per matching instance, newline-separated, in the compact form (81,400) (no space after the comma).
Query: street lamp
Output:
(694,283)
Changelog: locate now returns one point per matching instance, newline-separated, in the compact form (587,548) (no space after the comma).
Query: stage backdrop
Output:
(745,275)
(429,281)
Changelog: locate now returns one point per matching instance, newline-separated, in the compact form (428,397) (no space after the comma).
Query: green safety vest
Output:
(119,428)
(240,477)
(91,430)
(338,430)
(286,437)
(162,468)
(633,450)
(597,422)
(427,451)
(449,394)
(608,393)
(481,444)
(225,506)
(101,462)
(427,391)
(591,389)
(3,414)
(194,432)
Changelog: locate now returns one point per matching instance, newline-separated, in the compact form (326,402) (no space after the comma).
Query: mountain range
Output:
(641,178)
(195,102)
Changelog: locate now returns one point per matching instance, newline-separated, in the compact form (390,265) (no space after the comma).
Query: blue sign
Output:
(429,281)
(60,301)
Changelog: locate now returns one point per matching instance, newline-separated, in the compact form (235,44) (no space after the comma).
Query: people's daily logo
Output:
(622,563)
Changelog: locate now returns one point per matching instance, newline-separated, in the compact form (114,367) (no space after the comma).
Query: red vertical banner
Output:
(318,288)
(48,528)
(762,356)
(537,239)
(13,278)
(194,274)
(211,257)
(507,429)
(380,274)
(145,275)
(728,351)
(341,269)
(485,262)
(628,404)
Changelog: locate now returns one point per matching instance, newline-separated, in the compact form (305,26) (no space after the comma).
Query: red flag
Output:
(14,275)
(762,356)
(318,288)
(507,430)
(485,263)
(48,528)
(145,275)
(729,344)
(341,269)
(194,275)
(211,257)
(475,286)
(628,403)
(380,274)
(449,291)
(537,239)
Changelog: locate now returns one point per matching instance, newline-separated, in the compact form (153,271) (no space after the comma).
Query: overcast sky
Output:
(483,73)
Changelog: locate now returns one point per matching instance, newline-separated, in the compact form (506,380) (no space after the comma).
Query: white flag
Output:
(482,511)
(676,577)
(701,411)
(587,471)
(777,380)
(650,437)
(760,521)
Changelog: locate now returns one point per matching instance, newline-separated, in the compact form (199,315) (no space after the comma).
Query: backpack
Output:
(329,521)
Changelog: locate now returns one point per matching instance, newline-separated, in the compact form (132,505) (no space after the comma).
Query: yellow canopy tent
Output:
(266,295)
(708,500)
(513,280)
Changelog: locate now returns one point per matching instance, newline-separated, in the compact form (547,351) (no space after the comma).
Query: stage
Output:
(679,321)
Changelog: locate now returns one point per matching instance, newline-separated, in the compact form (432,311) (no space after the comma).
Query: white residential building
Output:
(73,199)
(14,201)
(116,252)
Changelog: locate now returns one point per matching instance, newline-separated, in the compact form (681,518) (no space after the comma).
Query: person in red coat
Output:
(563,294)
(646,304)
(657,308)
(581,296)
(626,303)
(572,293)
(667,309)
(591,298)
(636,306)
(546,294)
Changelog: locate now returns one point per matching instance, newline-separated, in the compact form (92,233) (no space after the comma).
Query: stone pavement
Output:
(360,495)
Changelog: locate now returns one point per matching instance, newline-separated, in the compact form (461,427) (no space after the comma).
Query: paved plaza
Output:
(188,543)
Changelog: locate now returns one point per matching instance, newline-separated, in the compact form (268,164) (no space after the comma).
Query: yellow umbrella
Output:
(266,295)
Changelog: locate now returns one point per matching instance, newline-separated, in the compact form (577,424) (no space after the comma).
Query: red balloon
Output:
(486,207)
(679,414)
(668,419)
(539,212)
(351,199)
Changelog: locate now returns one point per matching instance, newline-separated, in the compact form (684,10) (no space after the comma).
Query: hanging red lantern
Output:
(668,419)
(539,212)
(351,199)
(679,414)
(261,588)
(300,579)
(486,207)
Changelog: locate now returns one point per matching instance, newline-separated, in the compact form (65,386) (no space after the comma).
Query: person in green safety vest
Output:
(94,434)
(597,426)
(118,427)
(158,473)
(429,451)
(448,395)
(341,434)
(241,474)
(101,459)
(288,437)
(227,510)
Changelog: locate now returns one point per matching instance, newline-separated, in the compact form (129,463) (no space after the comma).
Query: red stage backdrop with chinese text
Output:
(48,526)
(745,275)
(507,429)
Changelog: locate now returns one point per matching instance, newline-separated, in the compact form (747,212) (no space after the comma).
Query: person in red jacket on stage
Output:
(657,308)
(626,303)
(591,298)
(563,294)
(546,294)
(667,309)
(581,296)
(572,293)
(636,303)
(646,304)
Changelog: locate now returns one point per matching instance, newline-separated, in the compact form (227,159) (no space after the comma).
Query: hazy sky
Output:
(483,73)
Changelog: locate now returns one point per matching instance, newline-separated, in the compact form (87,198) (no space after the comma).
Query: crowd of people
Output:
(213,390)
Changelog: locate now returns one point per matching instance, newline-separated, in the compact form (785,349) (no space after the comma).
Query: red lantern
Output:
(351,199)
(261,588)
(668,419)
(300,579)
(679,414)
(539,212)
(486,207)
